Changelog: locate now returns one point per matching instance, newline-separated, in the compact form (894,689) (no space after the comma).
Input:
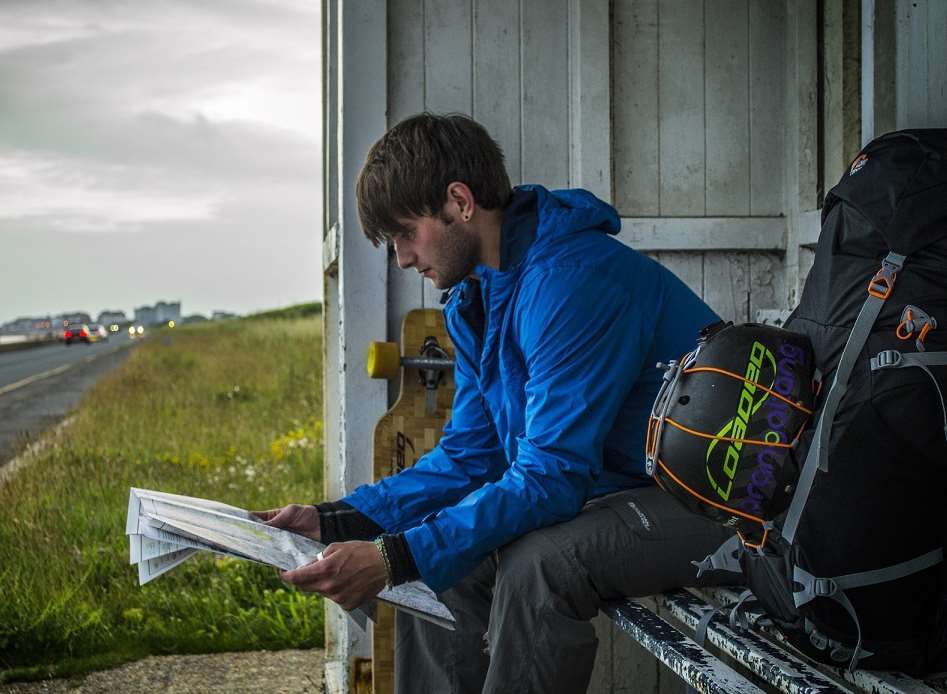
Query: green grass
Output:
(228,411)
(311,310)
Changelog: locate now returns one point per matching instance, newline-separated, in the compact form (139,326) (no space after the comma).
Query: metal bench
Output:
(740,662)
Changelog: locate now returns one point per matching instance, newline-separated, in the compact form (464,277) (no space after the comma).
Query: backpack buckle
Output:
(824,587)
(882,284)
(886,359)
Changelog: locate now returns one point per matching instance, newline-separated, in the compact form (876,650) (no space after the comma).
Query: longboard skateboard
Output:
(407,431)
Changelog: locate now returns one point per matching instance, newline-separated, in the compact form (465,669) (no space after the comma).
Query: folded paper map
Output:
(166,529)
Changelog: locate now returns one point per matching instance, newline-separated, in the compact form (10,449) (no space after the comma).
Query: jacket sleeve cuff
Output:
(400,559)
(339,521)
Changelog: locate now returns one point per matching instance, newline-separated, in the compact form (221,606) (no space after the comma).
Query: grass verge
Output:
(309,310)
(228,411)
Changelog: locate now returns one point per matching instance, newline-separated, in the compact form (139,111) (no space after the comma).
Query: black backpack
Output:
(845,549)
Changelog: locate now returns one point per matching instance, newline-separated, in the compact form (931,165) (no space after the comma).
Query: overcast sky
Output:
(159,149)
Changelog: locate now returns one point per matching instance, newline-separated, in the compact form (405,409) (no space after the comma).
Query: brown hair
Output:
(406,173)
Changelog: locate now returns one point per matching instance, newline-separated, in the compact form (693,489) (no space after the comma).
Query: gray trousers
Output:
(523,614)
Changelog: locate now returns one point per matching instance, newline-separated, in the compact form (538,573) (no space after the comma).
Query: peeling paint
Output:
(697,667)
(767,660)
(775,664)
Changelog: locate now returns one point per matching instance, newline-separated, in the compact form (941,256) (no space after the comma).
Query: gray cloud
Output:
(188,127)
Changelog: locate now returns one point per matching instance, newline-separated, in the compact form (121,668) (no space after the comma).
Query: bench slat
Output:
(878,682)
(773,664)
(868,681)
(696,666)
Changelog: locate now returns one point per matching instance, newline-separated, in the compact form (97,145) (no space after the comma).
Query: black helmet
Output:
(724,427)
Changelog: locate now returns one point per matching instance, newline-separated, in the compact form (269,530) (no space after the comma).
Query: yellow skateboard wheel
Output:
(384,360)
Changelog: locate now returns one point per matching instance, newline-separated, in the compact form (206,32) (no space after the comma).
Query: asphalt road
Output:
(22,364)
(39,386)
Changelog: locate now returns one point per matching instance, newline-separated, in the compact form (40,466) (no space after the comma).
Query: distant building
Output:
(222,315)
(109,317)
(27,325)
(168,311)
(65,319)
(162,312)
(146,315)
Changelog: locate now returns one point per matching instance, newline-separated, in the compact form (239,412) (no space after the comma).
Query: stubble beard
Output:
(458,256)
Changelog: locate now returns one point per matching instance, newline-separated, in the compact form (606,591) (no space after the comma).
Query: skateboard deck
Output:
(407,431)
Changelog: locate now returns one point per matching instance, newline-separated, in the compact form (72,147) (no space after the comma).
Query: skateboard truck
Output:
(432,376)
(384,361)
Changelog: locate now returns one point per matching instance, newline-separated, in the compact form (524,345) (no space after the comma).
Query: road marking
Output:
(36,377)
(54,372)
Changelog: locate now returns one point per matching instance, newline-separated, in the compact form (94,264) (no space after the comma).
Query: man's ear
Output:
(460,199)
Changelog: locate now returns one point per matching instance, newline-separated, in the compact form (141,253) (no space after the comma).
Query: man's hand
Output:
(303,520)
(349,574)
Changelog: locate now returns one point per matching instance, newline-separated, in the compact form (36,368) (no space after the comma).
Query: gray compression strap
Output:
(700,631)
(893,359)
(813,587)
(817,458)
(839,649)
(725,558)
(738,618)
(843,600)
(834,588)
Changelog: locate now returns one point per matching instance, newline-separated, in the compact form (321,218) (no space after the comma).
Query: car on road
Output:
(77,333)
(98,333)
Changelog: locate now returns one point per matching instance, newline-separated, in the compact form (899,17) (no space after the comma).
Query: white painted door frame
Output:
(355,277)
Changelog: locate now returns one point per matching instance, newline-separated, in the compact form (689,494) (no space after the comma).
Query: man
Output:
(534,508)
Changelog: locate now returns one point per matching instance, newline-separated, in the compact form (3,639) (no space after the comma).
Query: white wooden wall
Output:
(698,108)
(921,64)
(903,65)
(698,113)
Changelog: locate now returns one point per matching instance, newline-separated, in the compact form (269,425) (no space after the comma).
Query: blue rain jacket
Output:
(555,378)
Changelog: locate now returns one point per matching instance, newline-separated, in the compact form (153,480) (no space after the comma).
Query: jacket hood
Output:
(536,217)
(564,212)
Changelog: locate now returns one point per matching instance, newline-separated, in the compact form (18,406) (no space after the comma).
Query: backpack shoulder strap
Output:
(879,289)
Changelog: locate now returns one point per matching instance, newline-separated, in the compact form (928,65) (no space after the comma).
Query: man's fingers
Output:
(295,518)
(303,581)
(285,517)
(347,574)
(306,572)
(315,577)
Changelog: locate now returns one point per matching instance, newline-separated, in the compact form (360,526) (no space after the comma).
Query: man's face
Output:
(443,250)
